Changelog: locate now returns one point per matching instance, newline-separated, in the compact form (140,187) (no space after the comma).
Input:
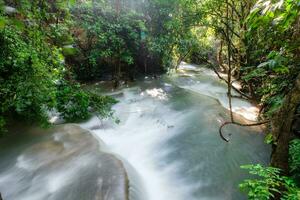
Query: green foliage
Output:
(173,34)
(75,104)
(273,40)
(27,74)
(268,183)
(2,22)
(269,138)
(72,102)
(32,66)
(294,159)
(263,38)
(266,186)
(151,37)
(101,105)
(107,40)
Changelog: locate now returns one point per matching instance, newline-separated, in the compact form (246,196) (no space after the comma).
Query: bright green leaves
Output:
(64,4)
(32,66)
(2,22)
(269,138)
(268,183)
(257,73)
(69,50)
(72,2)
(277,62)
(72,102)
(263,188)
(272,48)
(26,82)
(281,14)
(75,104)
(272,73)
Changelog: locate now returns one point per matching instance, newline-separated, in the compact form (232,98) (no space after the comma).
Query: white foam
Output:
(214,88)
(140,140)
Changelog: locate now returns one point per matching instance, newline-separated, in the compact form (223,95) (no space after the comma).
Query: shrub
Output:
(75,104)
(268,183)
(294,159)
(28,70)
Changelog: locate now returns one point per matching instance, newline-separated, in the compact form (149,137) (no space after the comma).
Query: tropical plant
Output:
(268,184)
(294,159)
(33,69)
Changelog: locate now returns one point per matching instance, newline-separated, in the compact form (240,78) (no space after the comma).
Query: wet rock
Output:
(69,164)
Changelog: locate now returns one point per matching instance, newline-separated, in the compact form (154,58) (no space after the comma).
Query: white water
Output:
(64,163)
(207,85)
(169,136)
(168,141)
(146,125)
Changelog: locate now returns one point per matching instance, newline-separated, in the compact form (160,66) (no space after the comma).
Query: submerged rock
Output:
(67,165)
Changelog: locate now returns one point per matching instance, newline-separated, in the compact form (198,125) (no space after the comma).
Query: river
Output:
(168,140)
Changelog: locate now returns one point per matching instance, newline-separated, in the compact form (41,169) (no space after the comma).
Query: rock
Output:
(68,164)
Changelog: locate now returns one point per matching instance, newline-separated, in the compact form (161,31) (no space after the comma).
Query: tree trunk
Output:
(220,57)
(229,83)
(118,7)
(282,128)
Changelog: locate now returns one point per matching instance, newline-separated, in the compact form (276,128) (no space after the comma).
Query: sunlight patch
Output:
(157,93)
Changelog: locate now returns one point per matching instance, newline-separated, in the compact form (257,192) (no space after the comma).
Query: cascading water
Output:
(167,139)
(64,162)
(169,135)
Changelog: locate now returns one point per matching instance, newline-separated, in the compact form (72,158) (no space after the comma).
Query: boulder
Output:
(66,164)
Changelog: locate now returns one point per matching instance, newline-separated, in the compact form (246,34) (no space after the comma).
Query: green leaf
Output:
(18,23)
(72,2)
(264,64)
(269,138)
(2,22)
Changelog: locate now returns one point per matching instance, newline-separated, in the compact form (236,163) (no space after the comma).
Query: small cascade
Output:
(168,137)
(166,147)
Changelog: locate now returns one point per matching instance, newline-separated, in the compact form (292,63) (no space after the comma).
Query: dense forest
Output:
(51,49)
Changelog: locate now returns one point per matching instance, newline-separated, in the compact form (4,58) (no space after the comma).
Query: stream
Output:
(167,140)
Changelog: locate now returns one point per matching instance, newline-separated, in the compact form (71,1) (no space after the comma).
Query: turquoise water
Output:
(169,134)
(168,140)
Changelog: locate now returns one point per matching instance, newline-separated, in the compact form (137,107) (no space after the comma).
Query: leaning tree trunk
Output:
(281,128)
(220,57)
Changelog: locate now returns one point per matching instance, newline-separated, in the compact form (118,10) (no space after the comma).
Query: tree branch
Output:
(238,124)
